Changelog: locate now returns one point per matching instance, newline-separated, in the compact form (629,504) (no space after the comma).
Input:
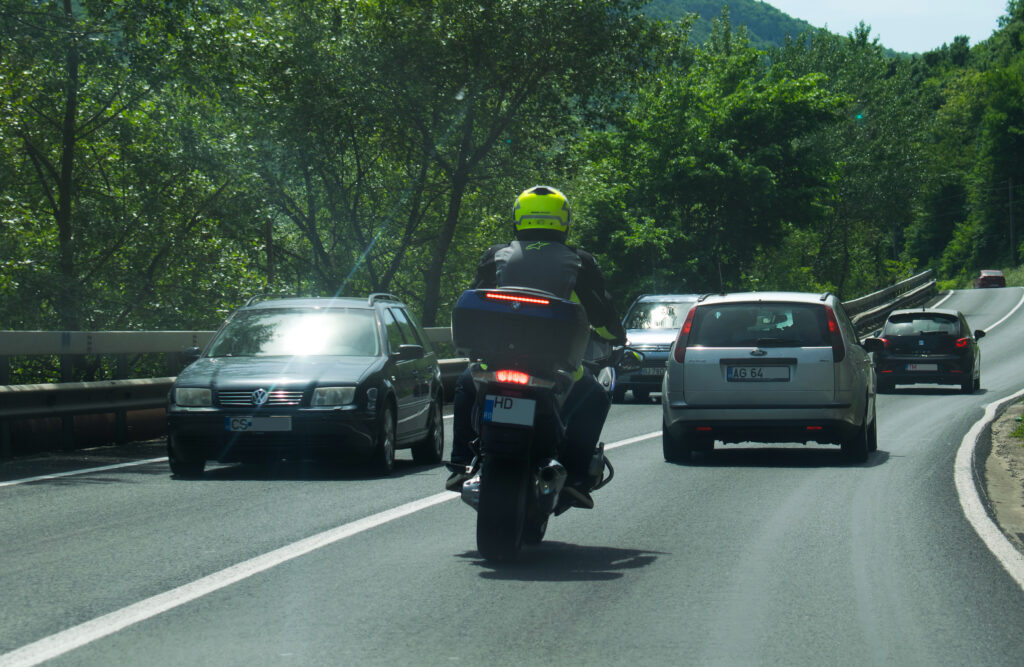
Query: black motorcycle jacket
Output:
(538,262)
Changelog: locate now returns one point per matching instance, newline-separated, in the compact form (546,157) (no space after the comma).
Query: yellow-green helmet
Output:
(542,207)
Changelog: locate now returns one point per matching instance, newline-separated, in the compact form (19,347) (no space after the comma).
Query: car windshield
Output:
(298,332)
(657,315)
(759,324)
(917,324)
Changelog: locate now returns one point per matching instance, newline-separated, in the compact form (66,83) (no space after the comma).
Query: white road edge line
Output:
(65,641)
(1007,316)
(963,475)
(84,471)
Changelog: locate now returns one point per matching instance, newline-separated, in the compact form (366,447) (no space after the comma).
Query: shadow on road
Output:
(559,561)
(308,471)
(780,457)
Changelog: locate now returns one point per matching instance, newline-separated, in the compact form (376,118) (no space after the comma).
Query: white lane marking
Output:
(1007,555)
(68,640)
(943,300)
(85,471)
(1007,316)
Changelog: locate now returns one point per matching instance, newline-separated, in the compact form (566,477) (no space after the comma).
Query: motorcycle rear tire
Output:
(501,515)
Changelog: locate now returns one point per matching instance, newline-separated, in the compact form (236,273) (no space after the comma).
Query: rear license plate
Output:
(757,373)
(654,370)
(509,410)
(257,424)
(922,367)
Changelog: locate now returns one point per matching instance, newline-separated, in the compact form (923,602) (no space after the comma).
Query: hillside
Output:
(766,25)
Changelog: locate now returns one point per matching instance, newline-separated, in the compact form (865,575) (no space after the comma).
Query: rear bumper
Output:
(830,423)
(949,371)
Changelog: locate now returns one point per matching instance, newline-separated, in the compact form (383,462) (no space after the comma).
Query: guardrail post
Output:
(5,369)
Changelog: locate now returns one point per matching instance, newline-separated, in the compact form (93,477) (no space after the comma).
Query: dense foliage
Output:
(162,161)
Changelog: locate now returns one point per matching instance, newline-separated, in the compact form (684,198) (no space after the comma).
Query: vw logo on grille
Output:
(259,397)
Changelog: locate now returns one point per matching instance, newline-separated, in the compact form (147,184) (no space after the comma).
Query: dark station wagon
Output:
(325,378)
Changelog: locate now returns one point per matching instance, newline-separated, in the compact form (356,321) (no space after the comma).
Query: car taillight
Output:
(502,296)
(512,377)
(886,342)
(962,342)
(684,335)
(838,349)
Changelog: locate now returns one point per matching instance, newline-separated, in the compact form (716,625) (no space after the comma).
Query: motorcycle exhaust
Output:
(471,492)
(550,481)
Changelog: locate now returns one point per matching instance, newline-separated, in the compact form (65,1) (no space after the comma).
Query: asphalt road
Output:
(760,555)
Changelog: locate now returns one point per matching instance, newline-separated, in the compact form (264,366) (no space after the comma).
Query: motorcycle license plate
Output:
(509,410)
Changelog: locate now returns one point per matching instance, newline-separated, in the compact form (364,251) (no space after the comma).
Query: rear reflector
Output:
(501,296)
(814,428)
(703,428)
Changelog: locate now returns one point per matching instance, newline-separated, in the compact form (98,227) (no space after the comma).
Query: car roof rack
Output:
(267,297)
(381,296)
(825,296)
(707,294)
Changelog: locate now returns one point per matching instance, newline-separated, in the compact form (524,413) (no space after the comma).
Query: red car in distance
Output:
(990,278)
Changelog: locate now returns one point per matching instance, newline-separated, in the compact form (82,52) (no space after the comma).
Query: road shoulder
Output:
(1004,475)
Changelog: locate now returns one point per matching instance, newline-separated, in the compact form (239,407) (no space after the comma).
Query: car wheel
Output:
(873,432)
(431,449)
(977,383)
(642,395)
(384,455)
(675,448)
(884,387)
(967,387)
(184,462)
(618,394)
(856,449)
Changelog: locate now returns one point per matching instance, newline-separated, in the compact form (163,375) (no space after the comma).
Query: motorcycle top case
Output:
(536,330)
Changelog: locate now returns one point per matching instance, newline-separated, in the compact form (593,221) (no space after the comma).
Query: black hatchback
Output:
(924,346)
(326,378)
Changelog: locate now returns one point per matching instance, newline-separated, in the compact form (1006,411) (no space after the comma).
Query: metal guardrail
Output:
(119,396)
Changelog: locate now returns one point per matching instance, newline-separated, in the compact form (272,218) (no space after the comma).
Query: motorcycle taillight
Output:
(512,377)
(503,296)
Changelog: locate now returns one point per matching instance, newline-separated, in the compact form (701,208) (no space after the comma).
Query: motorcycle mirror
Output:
(631,361)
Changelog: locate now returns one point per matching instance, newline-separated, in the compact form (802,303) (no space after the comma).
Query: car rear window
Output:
(762,324)
(658,315)
(298,332)
(917,324)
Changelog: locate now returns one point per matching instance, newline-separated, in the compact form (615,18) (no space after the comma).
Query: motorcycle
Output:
(525,347)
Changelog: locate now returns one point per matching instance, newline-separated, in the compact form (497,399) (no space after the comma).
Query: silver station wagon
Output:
(768,367)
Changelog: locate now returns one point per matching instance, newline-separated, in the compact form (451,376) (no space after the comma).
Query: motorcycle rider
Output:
(539,258)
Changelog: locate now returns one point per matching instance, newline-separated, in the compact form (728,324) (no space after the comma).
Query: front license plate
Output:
(655,370)
(757,373)
(922,367)
(509,410)
(258,424)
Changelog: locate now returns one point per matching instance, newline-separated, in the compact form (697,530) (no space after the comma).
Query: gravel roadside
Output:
(1004,474)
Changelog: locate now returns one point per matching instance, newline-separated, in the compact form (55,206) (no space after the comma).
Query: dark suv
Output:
(652,323)
(309,377)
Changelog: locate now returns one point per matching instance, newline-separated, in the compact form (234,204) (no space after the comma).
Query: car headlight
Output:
(324,396)
(192,397)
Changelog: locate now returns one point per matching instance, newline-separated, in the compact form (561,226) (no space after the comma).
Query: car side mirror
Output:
(978,333)
(409,352)
(191,354)
(873,344)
